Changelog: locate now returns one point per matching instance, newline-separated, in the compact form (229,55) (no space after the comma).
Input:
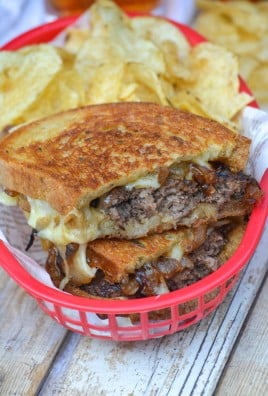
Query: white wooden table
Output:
(226,353)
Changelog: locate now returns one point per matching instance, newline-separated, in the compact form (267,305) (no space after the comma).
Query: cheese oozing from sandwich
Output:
(87,223)
(79,225)
(183,194)
(7,200)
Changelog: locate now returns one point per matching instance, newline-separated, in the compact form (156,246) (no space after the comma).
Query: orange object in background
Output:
(251,1)
(67,7)
(138,5)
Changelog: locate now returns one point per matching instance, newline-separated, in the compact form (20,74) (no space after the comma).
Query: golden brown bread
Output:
(117,258)
(120,257)
(73,157)
(234,238)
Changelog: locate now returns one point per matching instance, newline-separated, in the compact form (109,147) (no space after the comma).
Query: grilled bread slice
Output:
(92,172)
(71,158)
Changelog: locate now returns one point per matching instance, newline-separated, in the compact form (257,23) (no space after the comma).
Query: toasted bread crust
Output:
(118,258)
(71,158)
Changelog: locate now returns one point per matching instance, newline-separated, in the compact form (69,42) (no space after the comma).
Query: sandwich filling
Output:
(187,194)
(198,253)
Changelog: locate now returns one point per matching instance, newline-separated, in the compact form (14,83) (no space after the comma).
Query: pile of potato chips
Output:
(117,58)
(241,27)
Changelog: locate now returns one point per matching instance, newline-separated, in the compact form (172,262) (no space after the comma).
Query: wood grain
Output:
(29,341)
(247,370)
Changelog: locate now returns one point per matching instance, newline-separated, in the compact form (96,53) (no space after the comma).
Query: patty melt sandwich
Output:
(99,183)
(147,266)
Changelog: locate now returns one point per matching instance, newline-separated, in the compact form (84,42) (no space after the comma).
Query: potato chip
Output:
(111,26)
(172,43)
(106,83)
(258,82)
(185,100)
(117,58)
(24,75)
(242,27)
(65,91)
(262,53)
(108,20)
(247,65)
(75,38)
(141,84)
(215,75)
(239,13)
(160,31)
(217,29)
(94,53)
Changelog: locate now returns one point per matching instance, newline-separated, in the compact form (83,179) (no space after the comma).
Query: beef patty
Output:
(230,194)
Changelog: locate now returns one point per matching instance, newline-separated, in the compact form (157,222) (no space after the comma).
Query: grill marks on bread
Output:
(111,145)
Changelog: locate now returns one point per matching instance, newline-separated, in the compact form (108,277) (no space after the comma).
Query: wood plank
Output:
(249,360)
(29,340)
(187,363)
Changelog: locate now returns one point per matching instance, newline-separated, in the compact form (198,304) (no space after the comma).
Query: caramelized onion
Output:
(203,175)
(163,174)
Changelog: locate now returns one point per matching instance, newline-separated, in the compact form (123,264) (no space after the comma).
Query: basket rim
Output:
(230,268)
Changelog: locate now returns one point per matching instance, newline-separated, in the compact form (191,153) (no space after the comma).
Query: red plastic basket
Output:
(182,308)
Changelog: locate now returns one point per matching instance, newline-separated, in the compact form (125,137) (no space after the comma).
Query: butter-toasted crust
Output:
(70,158)
(118,258)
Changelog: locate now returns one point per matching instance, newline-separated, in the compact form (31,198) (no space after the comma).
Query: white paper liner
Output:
(15,232)
(254,124)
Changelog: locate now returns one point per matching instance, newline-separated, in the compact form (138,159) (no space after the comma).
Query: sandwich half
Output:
(124,171)
(149,266)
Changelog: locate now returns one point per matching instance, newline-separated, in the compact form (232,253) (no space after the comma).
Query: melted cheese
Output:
(161,288)
(203,159)
(80,226)
(7,200)
(176,252)
(79,269)
(76,268)
(149,181)
(77,226)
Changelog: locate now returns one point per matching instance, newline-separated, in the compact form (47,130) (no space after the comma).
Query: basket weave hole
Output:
(212,295)
(187,307)
(152,316)
(69,313)
(230,282)
(159,315)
